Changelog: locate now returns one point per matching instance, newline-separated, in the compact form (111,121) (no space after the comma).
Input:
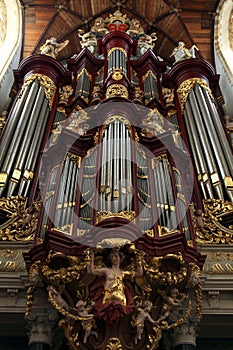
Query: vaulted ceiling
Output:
(173,20)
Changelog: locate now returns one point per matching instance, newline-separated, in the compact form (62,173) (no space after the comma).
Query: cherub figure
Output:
(87,319)
(181,53)
(138,320)
(200,222)
(52,47)
(174,298)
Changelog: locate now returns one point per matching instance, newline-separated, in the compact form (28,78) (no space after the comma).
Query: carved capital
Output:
(185,333)
(41,322)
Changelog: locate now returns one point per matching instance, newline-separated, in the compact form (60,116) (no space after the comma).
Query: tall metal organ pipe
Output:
(115,178)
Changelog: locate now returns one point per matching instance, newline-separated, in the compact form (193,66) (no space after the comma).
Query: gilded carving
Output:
(88,40)
(118,49)
(64,94)
(22,221)
(114,344)
(75,158)
(84,71)
(118,17)
(117,74)
(149,72)
(82,297)
(117,90)
(212,225)
(11,260)
(218,263)
(128,215)
(48,85)
(187,85)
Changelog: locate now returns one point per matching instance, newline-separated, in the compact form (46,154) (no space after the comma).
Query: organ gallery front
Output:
(116,166)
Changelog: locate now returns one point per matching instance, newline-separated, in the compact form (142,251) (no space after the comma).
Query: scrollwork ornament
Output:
(129,215)
(70,332)
(22,221)
(115,90)
(209,224)
(154,339)
(114,344)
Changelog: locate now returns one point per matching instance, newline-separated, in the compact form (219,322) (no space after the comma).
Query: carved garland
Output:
(187,85)
(47,83)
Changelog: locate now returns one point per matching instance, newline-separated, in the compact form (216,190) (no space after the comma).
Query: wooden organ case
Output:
(109,161)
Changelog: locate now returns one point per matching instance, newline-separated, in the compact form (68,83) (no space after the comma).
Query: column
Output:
(41,322)
(184,336)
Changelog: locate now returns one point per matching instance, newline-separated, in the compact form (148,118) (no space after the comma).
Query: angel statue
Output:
(181,53)
(112,293)
(52,47)
(138,320)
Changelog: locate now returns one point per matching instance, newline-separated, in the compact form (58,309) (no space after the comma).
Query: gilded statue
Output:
(114,299)
(52,47)
(181,53)
(138,320)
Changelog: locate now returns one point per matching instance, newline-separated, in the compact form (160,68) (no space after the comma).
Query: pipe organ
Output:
(121,149)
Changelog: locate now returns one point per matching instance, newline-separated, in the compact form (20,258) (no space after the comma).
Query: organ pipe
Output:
(33,152)
(115,176)
(11,155)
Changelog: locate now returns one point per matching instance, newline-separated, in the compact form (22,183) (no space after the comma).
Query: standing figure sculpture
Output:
(112,295)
